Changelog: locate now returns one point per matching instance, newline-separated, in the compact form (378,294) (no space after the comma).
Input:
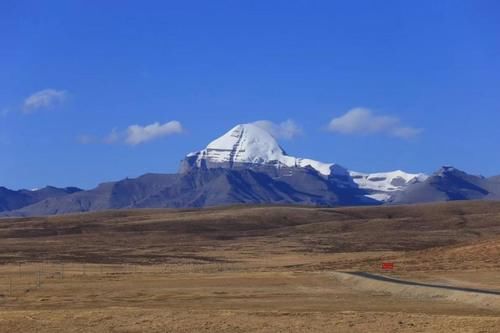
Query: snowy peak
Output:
(248,144)
(245,143)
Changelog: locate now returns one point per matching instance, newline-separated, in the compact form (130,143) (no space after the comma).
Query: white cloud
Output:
(137,134)
(287,129)
(44,99)
(364,121)
(406,132)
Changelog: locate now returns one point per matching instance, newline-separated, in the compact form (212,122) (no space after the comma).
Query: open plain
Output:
(254,269)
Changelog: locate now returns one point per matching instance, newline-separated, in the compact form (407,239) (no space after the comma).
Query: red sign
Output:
(387,265)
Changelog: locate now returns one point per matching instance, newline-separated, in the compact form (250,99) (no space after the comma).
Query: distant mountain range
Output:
(12,200)
(449,184)
(246,165)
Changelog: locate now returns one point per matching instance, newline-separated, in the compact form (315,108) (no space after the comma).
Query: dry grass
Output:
(248,269)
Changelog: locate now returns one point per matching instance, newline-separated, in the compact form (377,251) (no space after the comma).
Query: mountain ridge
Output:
(247,145)
(12,199)
(246,165)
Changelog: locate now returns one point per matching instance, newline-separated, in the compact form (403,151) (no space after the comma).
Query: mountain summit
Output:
(248,145)
(449,183)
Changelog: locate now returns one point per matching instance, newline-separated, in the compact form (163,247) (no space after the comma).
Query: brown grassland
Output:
(253,269)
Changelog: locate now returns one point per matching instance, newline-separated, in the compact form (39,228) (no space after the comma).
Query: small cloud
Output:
(44,99)
(137,134)
(287,129)
(406,132)
(364,121)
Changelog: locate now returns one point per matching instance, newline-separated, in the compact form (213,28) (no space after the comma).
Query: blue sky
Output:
(371,85)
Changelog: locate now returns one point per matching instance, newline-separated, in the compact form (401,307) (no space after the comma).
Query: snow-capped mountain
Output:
(247,146)
(246,165)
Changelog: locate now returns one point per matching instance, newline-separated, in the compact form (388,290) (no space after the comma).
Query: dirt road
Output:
(413,283)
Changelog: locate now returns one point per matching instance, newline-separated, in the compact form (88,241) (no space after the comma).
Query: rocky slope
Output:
(246,165)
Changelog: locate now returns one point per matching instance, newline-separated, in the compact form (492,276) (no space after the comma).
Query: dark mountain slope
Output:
(12,200)
(207,187)
(448,184)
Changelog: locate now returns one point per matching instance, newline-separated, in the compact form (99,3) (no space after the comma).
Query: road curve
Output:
(412,283)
